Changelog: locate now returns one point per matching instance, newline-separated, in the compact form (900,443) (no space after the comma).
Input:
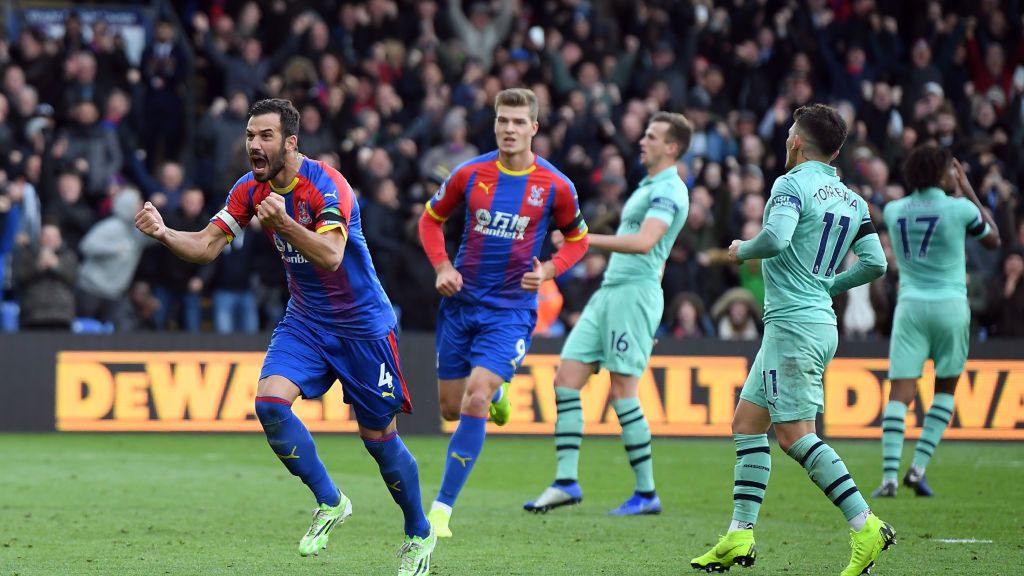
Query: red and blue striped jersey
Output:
(348,302)
(508,214)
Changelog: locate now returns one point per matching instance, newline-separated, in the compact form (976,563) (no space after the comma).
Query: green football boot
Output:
(325,518)
(502,409)
(867,544)
(736,547)
(439,519)
(414,555)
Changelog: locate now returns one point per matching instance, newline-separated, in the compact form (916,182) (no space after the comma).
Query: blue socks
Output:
(290,440)
(402,476)
(463,450)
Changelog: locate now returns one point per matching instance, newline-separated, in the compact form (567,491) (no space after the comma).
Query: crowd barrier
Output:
(206,383)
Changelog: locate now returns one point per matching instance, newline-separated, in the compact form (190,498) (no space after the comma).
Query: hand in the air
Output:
(150,222)
(271,211)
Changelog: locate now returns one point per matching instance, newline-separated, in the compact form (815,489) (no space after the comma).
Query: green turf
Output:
(212,504)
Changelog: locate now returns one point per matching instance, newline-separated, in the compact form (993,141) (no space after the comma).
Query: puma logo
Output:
(486,187)
(330,195)
(395,486)
(386,394)
(462,459)
(291,456)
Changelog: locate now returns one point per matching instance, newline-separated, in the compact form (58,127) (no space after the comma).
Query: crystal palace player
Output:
(339,323)
(511,198)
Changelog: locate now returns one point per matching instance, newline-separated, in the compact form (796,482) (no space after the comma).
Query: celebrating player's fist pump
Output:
(149,221)
(271,211)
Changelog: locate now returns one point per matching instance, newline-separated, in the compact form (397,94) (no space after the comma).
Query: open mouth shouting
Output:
(259,164)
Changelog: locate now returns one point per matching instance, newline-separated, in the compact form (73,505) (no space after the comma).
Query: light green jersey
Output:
(662,196)
(928,229)
(830,218)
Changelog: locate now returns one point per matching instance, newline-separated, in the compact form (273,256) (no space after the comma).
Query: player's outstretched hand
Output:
(271,211)
(150,222)
(449,280)
(734,252)
(534,278)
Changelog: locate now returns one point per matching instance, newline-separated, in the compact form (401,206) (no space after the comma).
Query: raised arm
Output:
(199,247)
(986,230)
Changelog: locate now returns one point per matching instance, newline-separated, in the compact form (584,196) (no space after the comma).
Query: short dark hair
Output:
(679,129)
(925,165)
(822,126)
(284,109)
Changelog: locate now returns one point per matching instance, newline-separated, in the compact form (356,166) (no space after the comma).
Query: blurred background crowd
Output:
(396,93)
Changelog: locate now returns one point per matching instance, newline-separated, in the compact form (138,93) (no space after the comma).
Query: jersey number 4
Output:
(931,222)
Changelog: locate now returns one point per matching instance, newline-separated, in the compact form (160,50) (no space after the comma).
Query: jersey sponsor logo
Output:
(486,187)
(302,209)
(787,201)
(662,203)
(536,197)
(501,224)
(288,252)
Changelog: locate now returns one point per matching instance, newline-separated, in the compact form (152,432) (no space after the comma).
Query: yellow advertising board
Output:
(696,395)
(175,392)
(682,396)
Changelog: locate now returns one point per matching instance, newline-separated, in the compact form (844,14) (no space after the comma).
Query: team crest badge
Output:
(302,209)
(536,197)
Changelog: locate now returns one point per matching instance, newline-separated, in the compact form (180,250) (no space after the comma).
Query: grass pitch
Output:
(222,504)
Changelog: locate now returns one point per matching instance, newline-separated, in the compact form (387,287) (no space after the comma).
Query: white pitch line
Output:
(962,541)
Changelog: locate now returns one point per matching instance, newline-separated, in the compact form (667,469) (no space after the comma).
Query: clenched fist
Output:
(150,222)
(271,211)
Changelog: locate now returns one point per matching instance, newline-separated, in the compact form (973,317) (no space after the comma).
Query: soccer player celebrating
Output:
(616,329)
(488,312)
(338,325)
(932,318)
(811,220)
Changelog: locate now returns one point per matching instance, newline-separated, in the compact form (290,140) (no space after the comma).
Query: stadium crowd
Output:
(396,93)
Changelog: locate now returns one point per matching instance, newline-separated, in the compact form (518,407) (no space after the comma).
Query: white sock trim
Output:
(858,521)
(442,506)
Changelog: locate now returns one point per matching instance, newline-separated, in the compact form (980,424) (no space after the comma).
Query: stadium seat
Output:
(9,312)
(91,326)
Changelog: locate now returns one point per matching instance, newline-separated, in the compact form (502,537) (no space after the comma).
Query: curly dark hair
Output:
(925,166)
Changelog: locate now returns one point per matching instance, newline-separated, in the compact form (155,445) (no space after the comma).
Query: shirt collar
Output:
(665,174)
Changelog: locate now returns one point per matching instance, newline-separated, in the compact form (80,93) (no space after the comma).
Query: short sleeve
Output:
(665,204)
(449,196)
(333,204)
(567,216)
(237,210)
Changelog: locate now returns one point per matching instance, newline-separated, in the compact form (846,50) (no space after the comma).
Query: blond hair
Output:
(515,98)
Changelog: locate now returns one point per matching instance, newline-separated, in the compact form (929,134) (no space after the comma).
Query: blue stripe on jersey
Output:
(508,198)
(467,226)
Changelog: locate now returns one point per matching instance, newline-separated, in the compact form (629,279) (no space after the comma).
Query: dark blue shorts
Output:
(369,370)
(472,335)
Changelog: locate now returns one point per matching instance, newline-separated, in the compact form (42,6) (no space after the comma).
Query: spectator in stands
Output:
(163,68)
(178,284)
(737,315)
(45,274)
(383,225)
(687,319)
(69,211)
(1006,297)
(234,304)
(480,34)
(92,151)
(110,254)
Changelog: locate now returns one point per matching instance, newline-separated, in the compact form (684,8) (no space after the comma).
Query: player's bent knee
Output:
(270,412)
(451,413)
